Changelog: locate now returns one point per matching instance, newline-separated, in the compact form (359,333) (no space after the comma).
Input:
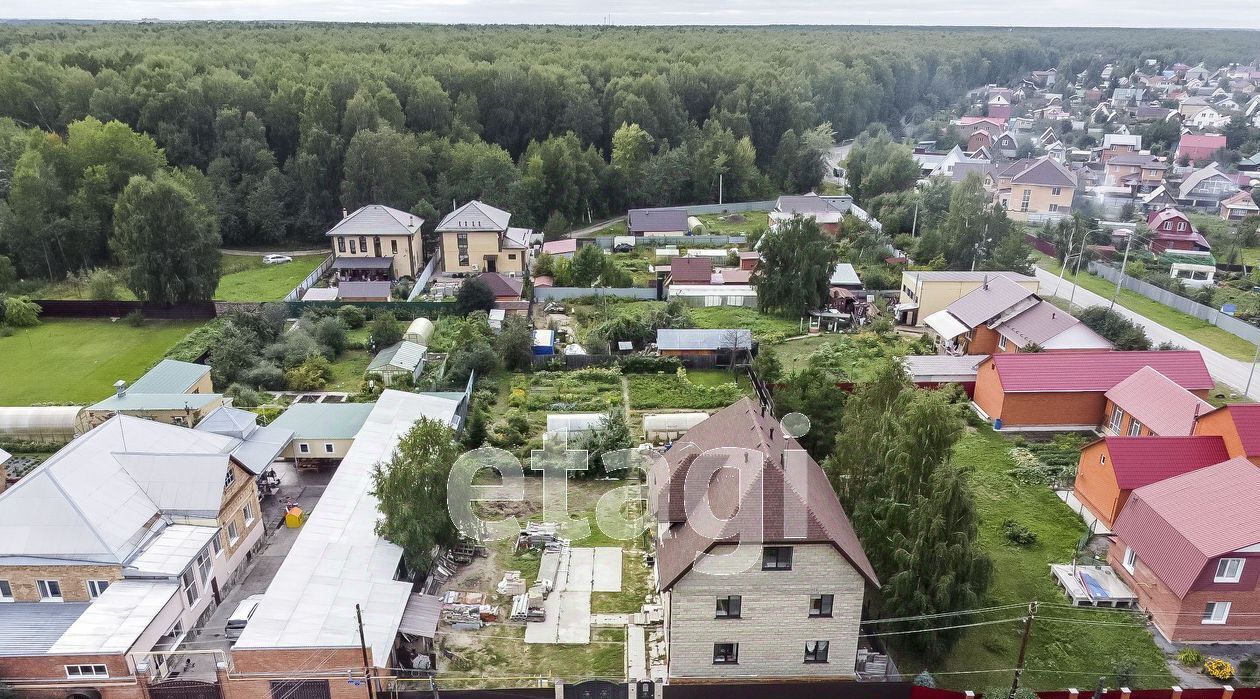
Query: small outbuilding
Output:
(574,425)
(667,427)
(544,343)
(404,359)
(419,332)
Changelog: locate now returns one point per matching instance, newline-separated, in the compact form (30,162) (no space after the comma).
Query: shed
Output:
(40,424)
(363,291)
(405,358)
(496,318)
(419,332)
(845,276)
(544,342)
(320,293)
(667,427)
(574,424)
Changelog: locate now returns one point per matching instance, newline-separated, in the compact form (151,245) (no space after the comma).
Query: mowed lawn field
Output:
(77,361)
(246,278)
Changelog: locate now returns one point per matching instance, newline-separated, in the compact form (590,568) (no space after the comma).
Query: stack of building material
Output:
(511,584)
(538,535)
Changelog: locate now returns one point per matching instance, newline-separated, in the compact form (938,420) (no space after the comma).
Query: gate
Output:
(184,689)
(301,689)
(595,689)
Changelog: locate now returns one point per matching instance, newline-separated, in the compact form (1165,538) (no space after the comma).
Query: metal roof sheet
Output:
(946,325)
(691,270)
(502,285)
(230,422)
(363,290)
(324,420)
(1140,461)
(405,355)
(991,299)
(918,366)
(171,552)
(1042,322)
(700,339)
(113,622)
(189,484)
(420,618)
(169,376)
(475,216)
(130,400)
(338,560)
(1088,371)
(318,293)
(965,276)
(1246,418)
(31,628)
(375,219)
(660,220)
(1178,525)
(363,263)
(1156,401)
(845,275)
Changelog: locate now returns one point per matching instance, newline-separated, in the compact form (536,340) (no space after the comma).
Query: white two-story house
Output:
(760,573)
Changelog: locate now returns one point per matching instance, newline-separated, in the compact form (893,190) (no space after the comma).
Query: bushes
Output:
(331,333)
(352,316)
(386,330)
(1018,534)
(645,364)
(21,312)
(1120,331)
(675,391)
(102,285)
(311,375)
(1247,671)
(1218,669)
(1189,657)
(135,318)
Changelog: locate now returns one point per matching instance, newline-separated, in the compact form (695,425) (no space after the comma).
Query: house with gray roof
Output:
(660,221)
(1036,189)
(376,243)
(477,237)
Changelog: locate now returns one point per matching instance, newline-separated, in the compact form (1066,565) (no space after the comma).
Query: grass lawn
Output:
(741,223)
(1060,654)
(78,361)
(248,279)
(765,328)
(847,354)
(504,659)
(672,391)
(1200,331)
(348,370)
(72,290)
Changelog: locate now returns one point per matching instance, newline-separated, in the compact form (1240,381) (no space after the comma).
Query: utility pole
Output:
(1076,274)
(914,226)
(1066,259)
(719,188)
(1023,646)
(1124,264)
(367,664)
(1252,373)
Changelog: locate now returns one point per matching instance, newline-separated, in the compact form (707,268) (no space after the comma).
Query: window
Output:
(1229,570)
(1054,208)
(328,447)
(820,605)
(1216,612)
(353,249)
(249,514)
(776,558)
(304,448)
(461,242)
(1117,416)
(725,653)
(1181,225)
(1135,428)
(1023,203)
(230,478)
(203,567)
(6,591)
(363,243)
(232,534)
(188,582)
(393,246)
(1001,342)
(1130,559)
(217,544)
(49,590)
(511,256)
(728,607)
(816,651)
(341,243)
(96,587)
(1056,191)
(77,671)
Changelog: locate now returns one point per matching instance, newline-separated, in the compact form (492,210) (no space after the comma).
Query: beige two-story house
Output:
(1035,189)
(760,573)
(377,243)
(476,237)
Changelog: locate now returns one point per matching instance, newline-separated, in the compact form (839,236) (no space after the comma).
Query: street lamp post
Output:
(1252,373)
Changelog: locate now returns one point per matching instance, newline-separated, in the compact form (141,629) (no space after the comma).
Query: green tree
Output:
(410,488)
(876,165)
(514,343)
(612,434)
(20,312)
(587,265)
(386,330)
(166,241)
(8,274)
(473,295)
(797,260)
(767,366)
(812,392)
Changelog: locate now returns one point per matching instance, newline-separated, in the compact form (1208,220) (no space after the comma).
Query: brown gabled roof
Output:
(1045,172)
(786,489)
(691,270)
(502,285)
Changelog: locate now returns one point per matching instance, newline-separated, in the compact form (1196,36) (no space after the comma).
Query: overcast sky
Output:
(1124,13)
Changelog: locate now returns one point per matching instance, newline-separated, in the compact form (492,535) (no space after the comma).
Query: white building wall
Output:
(774,624)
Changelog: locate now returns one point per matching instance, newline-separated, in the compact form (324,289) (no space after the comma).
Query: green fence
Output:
(402,309)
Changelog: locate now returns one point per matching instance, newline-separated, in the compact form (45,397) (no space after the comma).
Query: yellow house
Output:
(377,243)
(924,293)
(321,431)
(476,238)
(174,392)
(1035,189)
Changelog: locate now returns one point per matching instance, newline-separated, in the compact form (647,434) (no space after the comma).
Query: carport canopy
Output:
(420,618)
(946,325)
(363,263)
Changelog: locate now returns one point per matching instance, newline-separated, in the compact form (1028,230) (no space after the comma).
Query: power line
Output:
(945,614)
(941,628)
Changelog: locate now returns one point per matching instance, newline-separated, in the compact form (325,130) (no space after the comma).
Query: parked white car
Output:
(276,259)
(241,615)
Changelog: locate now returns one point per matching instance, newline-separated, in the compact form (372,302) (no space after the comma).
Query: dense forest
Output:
(276,128)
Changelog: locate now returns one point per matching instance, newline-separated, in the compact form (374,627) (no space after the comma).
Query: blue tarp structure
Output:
(544,342)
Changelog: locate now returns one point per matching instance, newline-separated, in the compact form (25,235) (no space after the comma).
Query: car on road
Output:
(276,259)
(241,615)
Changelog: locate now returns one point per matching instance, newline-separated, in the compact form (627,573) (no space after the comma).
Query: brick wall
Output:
(1052,409)
(774,623)
(985,341)
(46,668)
(988,393)
(244,490)
(334,664)
(73,579)
(1096,485)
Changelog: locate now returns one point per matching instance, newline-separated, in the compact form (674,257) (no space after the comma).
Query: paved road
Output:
(1228,371)
(290,253)
(590,230)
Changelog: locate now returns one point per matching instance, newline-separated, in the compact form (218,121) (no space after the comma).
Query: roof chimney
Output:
(986,282)
(120,388)
(344,214)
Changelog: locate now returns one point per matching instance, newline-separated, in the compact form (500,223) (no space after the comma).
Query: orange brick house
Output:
(1111,468)
(1149,403)
(1238,425)
(1189,546)
(1067,390)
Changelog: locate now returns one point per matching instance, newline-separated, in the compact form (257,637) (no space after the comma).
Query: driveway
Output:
(1227,370)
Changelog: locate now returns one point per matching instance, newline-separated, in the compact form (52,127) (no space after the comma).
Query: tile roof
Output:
(660,220)
(691,270)
(475,216)
(793,508)
(990,300)
(170,376)
(375,219)
(1090,371)
(1246,418)
(1139,461)
(501,284)
(1159,403)
(1178,525)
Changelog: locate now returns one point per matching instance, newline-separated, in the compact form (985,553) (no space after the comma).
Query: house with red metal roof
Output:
(1149,403)
(1193,147)
(1111,468)
(690,270)
(1173,230)
(1189,546)
(760,572)
(1238,424)
(1067,390)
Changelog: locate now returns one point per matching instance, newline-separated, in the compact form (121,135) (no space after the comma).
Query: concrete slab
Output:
(574,625)
(636,653)
(581,571)
(607,569)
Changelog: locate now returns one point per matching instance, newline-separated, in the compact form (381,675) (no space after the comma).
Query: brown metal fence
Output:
(62,308)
